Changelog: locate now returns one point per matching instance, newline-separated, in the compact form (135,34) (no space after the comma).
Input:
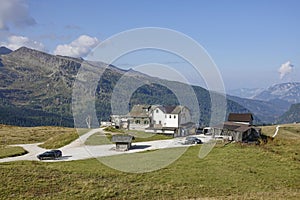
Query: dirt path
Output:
(276,132)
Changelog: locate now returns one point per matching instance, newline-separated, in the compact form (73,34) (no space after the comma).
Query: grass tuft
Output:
(26,135)
(11,151)
(59,140)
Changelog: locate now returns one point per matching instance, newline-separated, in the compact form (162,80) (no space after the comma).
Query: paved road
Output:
(77,150)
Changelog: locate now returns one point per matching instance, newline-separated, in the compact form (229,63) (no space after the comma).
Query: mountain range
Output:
(36,89)
(248,93)
(284,97)
(289,92)
(286,92)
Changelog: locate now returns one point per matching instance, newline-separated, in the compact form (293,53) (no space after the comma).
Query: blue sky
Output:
(248,40)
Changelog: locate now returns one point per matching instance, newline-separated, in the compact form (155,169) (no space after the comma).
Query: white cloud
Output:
(14,42)
(15,12)
(285,69)
(80,47)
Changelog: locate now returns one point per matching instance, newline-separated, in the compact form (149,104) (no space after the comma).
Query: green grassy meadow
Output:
(234,171)
(11,151)
(26,135)
(50,137)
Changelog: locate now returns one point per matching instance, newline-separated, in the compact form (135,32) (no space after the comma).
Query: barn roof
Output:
(122,138)
(240,117)
(233,126)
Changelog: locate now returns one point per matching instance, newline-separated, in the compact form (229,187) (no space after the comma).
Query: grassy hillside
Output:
(10,151)
(60,140)
(292,115)
(234,171)
(50,137)
(36,90)
(25,135)
(287,142)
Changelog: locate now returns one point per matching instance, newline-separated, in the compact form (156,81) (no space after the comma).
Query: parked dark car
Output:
(199,131)
(50,155)
(192,140)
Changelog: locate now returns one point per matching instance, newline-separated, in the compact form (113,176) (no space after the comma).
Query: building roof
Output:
(233,126)
(240,117)
(122,138)
(143,110)
(140,111)
(170,109)
(243,129)
(228,125)
(177,110)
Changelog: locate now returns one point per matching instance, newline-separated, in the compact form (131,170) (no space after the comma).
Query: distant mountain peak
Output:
(4,50)
(33,56)
(286,85)
(25,51)
(289,91)
(23,48)
(245,92)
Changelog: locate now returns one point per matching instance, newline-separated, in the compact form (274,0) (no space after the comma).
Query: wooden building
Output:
(238,128)
(123,142)
(241,118)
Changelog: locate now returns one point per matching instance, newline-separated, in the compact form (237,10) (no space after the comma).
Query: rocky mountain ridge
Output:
(289,92)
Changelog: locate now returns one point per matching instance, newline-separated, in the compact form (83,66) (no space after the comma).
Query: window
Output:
(159,122)
(146,122)
(170,116)
(137,121)
(174,116)
(156,110)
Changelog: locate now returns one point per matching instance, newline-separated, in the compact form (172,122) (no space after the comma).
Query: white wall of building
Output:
(158,116)
(171,120)
(166,120)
